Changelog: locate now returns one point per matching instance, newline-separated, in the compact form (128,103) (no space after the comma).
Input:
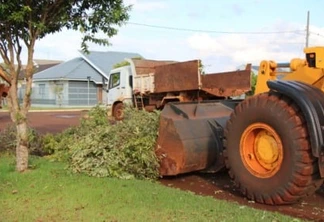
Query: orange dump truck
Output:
(150,84)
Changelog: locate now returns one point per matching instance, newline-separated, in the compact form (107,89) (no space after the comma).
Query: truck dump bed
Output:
(143,74)
(180,76)
(152,76)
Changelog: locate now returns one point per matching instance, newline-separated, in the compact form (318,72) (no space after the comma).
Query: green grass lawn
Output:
(49,192)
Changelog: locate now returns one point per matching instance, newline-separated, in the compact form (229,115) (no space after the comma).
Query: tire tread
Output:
(305,179)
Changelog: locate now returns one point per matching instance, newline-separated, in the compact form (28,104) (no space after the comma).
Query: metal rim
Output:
(261,150)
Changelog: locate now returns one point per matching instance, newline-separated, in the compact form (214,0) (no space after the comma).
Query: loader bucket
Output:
(191,136)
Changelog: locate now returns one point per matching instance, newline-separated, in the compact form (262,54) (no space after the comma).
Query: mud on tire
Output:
(118,111)
(297,175)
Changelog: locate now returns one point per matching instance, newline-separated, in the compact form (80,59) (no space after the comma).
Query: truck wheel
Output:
(118,111)
(267,153)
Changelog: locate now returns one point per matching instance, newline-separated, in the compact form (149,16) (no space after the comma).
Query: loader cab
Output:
(315,57)
(119,86)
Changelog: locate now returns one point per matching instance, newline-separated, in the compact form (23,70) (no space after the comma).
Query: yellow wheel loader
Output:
(272,143)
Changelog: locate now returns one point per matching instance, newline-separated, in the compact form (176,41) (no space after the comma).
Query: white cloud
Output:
(158,48)
(62,45)
(219,52)
(239,49)
(316,35)
(208,45)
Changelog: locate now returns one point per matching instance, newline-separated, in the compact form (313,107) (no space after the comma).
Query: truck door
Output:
(114,87)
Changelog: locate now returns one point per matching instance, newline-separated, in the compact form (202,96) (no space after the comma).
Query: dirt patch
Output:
(220,186)
(216,185)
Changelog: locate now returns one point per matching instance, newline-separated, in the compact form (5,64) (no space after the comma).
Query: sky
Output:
(224,34)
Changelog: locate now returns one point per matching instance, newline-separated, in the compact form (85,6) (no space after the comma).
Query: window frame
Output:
(111,79)
(41,89)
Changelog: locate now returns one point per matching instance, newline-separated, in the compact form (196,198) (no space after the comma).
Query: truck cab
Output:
(119,86)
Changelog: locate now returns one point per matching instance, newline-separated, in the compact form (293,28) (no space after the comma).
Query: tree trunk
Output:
(10,52)
(19,117)
(22,146)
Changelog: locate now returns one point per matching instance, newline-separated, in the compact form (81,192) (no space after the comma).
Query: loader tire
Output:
(268,153)
(118,111)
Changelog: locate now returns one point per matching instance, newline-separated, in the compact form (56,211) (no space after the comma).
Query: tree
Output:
(201,67)
(124,63)
(23,22)
(254,78)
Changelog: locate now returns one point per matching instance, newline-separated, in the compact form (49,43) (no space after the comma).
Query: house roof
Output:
(46,61)
(40,65)
(97,65)
(104,61)
(76,69)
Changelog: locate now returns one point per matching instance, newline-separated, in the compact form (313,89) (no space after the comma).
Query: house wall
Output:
(63,93)
(43,92)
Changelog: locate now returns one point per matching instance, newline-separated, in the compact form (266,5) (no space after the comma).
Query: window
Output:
(114,80)
(41,89)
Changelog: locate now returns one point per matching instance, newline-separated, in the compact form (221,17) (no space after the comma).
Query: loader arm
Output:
(309,70)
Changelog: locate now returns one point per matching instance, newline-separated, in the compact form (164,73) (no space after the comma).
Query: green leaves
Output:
(19,16)
(123,149)
(31,20)
(125,63)
(92,17)
(100,147)
(8,138)
(254,78)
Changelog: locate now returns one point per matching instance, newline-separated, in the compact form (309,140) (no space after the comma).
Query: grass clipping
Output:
(123,149)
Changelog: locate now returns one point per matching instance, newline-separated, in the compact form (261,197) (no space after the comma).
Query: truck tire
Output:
(268,154)
(118,111)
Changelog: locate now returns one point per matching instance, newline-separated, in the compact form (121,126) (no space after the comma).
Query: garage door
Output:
(80,93)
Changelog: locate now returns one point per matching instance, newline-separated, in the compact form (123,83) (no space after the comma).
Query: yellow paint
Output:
(299,71)
(266,149)
(261,150)
(319,51)
(295,64)
(266,72)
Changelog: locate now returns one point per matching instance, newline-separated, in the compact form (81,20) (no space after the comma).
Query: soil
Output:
(47,122)
(217,185)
